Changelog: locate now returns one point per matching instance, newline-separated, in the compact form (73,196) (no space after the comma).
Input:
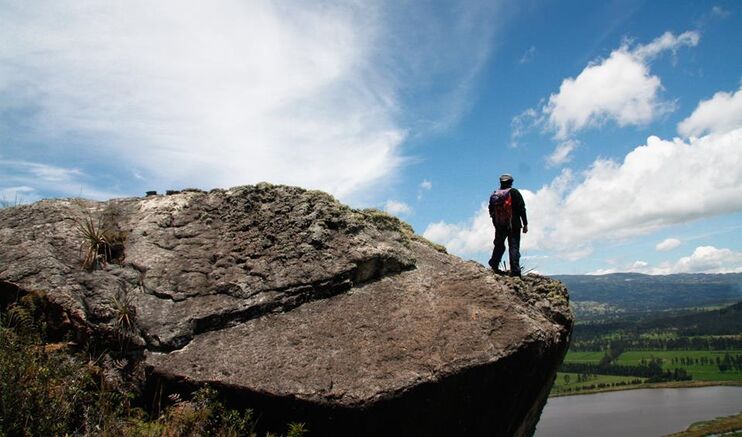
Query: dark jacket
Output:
(519,210)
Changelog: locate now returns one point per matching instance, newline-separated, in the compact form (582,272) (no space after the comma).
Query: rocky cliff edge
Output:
(296,305)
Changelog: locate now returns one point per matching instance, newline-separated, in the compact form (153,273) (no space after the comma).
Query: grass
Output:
(728,426)
(387,222)
(703,374)
(584,357)
(16,202)
(700,372)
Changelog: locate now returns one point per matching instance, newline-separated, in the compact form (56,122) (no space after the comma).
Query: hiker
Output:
(508,211)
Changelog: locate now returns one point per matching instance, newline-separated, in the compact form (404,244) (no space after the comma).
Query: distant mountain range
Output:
(634,292)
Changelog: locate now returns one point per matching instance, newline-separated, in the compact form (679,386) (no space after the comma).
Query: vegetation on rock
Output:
(56,389)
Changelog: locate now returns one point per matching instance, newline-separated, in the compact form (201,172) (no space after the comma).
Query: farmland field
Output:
(681,347)
(700,372)
(584,357)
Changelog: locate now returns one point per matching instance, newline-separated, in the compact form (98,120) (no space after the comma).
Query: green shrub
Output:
(42,392)
(46,389)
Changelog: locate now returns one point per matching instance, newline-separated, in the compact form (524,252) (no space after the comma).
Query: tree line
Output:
(667,344)
(651,369)
(600,385)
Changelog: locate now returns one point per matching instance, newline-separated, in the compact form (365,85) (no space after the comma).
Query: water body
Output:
(646,412)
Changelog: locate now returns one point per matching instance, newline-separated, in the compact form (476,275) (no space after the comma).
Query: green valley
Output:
(626,338)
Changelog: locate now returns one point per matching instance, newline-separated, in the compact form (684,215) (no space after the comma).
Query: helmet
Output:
(506,178)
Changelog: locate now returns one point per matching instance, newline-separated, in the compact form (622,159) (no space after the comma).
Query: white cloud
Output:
(476,234)
(562,153)
(667,41)
(721,113)
(424,186)
(707,259)
(639,264)
(657,185)
(188,93)
(395,207)
(718,11)
(668,244)
(528,55)
(522,123)
(619,88)
(13,196)
(472,237)
(602,272)
(704,259)
(651,189)
(26,179)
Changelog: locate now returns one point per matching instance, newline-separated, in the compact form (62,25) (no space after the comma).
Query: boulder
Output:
(298,306)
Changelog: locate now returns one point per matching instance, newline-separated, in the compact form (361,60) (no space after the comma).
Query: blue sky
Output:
(621,121)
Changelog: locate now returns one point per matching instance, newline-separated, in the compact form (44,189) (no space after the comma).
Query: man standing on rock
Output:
(508,211)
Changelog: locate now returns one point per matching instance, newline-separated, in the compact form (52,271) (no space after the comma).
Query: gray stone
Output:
(301,307)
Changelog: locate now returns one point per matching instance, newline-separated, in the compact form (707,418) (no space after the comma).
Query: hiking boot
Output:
(499,272)
(515,274)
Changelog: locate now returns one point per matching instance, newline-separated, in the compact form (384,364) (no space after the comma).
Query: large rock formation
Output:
(303,308)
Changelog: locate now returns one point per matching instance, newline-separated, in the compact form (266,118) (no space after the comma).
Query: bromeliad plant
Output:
(124,314)
(94,246)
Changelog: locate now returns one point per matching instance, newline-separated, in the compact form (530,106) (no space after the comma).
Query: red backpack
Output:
(501,207)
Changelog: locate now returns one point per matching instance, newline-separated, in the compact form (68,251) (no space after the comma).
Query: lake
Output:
(646,412)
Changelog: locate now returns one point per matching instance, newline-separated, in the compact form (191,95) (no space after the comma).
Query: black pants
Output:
(513,237)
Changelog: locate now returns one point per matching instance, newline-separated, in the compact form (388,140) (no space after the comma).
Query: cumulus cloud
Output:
(619,88)
(562,153)
(475,235)
(707,259)
(651,189)
(704,259)
(396,207)
(721,113)
(668,41)
(472,237)
(185,93)
(668,244)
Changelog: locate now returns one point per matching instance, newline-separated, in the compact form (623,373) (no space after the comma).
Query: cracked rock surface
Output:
(302,308)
